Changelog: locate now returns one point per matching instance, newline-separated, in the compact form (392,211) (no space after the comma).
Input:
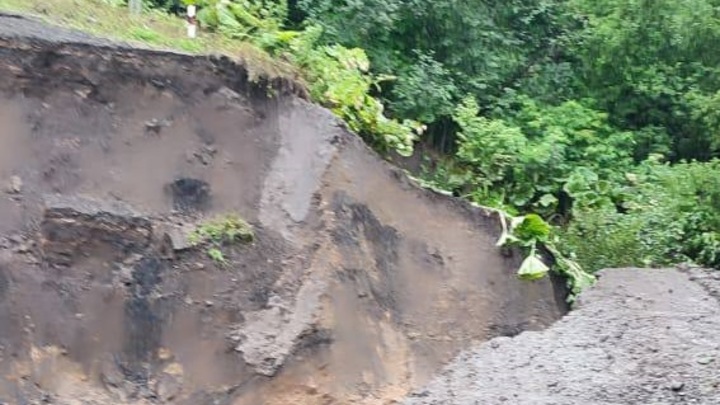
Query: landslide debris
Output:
(638,337)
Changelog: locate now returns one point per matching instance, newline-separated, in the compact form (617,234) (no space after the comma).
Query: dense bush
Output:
(339,77)
(651,65)
(171,6)
(542,158)
(670,214)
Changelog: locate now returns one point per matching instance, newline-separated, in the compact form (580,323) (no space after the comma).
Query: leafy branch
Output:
(530,232)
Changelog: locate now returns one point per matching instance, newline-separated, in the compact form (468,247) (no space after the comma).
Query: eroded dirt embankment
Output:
(358,288)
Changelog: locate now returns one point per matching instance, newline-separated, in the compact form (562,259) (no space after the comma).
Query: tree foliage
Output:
(654,64)
(601,116)
(542,156)
(339,76)
(671,214)
(442,51)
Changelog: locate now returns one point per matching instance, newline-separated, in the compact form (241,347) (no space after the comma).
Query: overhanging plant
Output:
(530,232)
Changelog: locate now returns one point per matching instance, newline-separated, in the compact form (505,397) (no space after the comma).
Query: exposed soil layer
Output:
(358,287)
(638,337)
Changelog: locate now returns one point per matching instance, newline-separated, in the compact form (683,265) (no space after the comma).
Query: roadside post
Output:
(192,21)
(135,6)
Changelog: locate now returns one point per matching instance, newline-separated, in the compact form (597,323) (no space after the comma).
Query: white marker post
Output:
(135,6)
(192,22)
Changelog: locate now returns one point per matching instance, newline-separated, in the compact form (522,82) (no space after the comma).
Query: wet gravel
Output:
(638,337)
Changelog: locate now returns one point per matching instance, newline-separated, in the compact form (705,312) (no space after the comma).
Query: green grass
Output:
(151,29)
(220,232)
(225,229)
(145,34)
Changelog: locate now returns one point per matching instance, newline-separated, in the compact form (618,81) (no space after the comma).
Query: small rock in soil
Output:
(155,125)
(23,248)
(677,386)
(229,94)
(15,185)
(168,387)
(177,239)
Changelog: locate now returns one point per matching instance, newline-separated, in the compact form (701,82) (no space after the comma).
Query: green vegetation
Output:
(671,214)
(220,232)
(594,124)
(154,28)
(532,233)
(338,76)
(600,116)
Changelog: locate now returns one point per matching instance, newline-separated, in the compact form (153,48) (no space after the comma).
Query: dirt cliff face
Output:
(357,288)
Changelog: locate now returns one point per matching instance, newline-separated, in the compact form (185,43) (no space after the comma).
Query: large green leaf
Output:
(533,268)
